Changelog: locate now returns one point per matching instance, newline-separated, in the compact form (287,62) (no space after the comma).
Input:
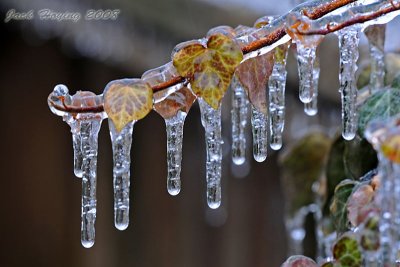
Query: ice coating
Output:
(306,56)
(376,38)
(259,124)
(85,128)
(277,84)
(121,146)
(348,47)
(211,121)
(89,133)
(311,109)
(239,114)
(174,128)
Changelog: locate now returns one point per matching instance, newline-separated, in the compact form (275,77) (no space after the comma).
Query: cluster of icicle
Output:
(387,199)
(85,126)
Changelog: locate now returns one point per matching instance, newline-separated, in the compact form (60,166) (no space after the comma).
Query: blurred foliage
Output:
(381,104)
(347,252)
(338,207)
(302,165)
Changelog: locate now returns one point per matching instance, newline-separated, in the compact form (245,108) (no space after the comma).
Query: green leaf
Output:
(299,261)
(359,157)
(370,234)
(338,206)
(396,82)
(382,104)
(347,252)
(302,164)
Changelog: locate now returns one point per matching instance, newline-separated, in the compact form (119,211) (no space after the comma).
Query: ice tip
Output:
(87,243)
(214,205)
(60,90)
(174,191)
(238,160)
(121,226)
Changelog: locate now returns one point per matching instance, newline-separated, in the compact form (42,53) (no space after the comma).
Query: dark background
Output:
(40,197)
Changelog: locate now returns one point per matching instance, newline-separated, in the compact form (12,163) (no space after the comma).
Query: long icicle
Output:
(277,84)
(89,130)
(259,125)
(211,121)
(239,121)
(348,47)
(376,38)
(306,54)
(174,127)
(121,145)
(311,108)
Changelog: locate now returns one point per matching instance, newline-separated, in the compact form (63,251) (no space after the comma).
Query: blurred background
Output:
(40,199)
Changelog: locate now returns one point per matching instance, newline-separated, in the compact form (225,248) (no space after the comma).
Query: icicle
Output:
(89,130)
(306,55)
(211,121)
(348,47)
(77,144)
(121,145)
(376,37)
(239,122)
(259,124)
(174,126)
(276,84)
(311,109)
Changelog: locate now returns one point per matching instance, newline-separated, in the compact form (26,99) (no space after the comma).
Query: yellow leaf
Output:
(127,100)
(391,148)
(209,70)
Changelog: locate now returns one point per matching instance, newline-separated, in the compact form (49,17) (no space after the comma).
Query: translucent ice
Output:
(259,123)
(211,121)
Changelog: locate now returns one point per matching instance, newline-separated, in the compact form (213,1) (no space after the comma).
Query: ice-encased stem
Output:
(306,55)
(311,108)
(348,47)
(239,121)
(89,130)
(121,146)
(277,84)
(376,37)
(174,126)
(259,126)
(211,121)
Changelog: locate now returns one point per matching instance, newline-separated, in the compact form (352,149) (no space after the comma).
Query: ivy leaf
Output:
(396,82)
(338,206)
(127,100)
(209,70)
(299,261)
(391,148)
(302,165)
(254,74)
(328,264)
(382,104)
(359,157)
(347,252)
(182,99)
(370,234)
(358,203)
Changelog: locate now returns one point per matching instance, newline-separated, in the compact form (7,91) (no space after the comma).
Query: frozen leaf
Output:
(299,261)
(358,203)
(210,69)
(338,206)
(127,100)
(328,264)
(347,252)
(391,148)
(302,165)
(254,74)
(370,234)
(382,104)
(180,100)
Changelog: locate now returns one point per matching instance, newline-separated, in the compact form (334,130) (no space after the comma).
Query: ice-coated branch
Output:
(263,40)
